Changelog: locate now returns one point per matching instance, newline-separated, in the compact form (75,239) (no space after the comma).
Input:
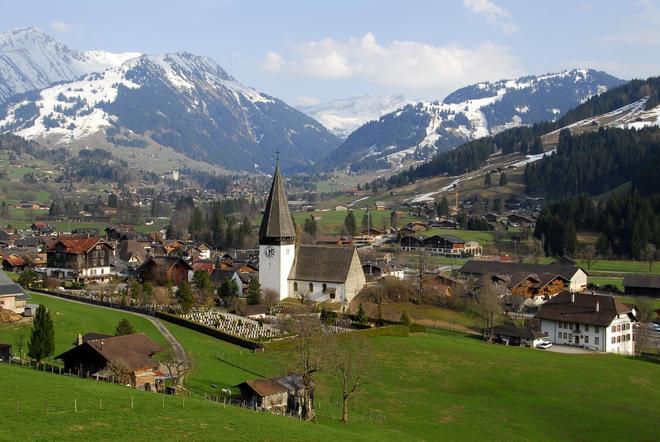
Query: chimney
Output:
(597,306)
(79,341)
(572,298)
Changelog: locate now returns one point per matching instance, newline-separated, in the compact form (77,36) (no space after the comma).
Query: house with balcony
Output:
(79,258)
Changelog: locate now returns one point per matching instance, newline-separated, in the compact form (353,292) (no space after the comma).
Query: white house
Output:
(595,322)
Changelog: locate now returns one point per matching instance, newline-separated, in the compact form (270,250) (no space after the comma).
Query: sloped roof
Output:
(584,309)
(645,281)
(76,244)
(264,387)
(509,268)
(131,351)
(322,263)
(277,222)
(10,288)
(165,261)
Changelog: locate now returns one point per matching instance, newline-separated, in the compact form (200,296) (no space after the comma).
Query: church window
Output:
(325,287)
(295,286)
(311,286)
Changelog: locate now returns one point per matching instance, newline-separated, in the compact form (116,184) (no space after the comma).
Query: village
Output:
(286,290)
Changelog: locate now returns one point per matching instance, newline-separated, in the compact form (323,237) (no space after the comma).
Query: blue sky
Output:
(306,51)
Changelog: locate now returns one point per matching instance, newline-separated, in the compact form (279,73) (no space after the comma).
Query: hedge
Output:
(417,328)
(196,326)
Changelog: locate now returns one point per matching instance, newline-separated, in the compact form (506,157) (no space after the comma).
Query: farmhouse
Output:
(446,245)
(12,295)
(596,322)
(318,272)
(126,356)
(161,269)
(539,286)
(525,336)
(79,257)
(280,395)
(575,275)
(642,285)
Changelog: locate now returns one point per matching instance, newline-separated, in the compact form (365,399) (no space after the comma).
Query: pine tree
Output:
(362,315)
(184,296)
(254,292)
(379,317)
(503,180)
(487,181)
(349,223)
(405,319)
(197,223)
(42,338)
(443,207)
(124,327)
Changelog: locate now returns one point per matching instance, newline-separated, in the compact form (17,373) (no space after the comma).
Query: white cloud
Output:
(59,26)
(273,62)
(495,15)
(403,64)
(303,100)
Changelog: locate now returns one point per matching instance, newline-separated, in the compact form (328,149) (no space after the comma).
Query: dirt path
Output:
(176,345)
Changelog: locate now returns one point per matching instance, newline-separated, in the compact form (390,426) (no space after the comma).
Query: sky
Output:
(306,52)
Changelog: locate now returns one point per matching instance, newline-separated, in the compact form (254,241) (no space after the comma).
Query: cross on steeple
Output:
(277,156)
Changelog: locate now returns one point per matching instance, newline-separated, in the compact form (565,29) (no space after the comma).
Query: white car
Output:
(544,345)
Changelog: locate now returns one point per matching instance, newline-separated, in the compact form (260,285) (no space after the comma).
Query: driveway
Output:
(569,350)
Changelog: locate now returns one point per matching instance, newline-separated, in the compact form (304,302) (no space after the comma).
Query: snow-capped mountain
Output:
(344,115)
(31,60)
(417,131)
(182,101)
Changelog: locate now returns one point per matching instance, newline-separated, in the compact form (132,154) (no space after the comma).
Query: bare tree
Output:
(177,367)
(648,254)
(352,363)
(590,255)
(488,306)
(121,372)
(269,298)
(644,313)
(309,356)
(536,250)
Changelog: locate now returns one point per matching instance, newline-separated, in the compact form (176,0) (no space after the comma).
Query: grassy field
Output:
(655,302)
(602,281)
(436,385)
(613,266)
(149,419)
(481,236)
(426,314)
(71,319)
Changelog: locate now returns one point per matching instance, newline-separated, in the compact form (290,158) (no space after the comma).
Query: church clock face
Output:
(270,252)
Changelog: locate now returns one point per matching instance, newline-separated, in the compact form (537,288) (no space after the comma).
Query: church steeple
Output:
(276,225)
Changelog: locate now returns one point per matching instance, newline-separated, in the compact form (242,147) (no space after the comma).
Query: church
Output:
(316,273)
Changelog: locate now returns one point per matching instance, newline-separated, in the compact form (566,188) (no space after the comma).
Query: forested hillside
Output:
(592,163)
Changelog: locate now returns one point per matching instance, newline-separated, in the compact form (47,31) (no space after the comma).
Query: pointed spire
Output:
(276,225)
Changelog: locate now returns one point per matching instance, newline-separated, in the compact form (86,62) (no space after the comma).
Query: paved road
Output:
(176,345)
(569,350)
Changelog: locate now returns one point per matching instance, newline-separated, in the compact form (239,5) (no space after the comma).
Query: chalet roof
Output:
(277,223)
(14,260)
(131,351)
(509,268)
(583,309)
(643,281)
(76,244)
(165,261)
(130,247)
(322,263)
(92,336)
(263,387)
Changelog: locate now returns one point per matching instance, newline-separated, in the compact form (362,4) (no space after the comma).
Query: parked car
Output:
(653,326)
(544,345)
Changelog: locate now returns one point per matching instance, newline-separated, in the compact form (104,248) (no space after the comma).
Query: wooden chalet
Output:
(161,269)
(79,257)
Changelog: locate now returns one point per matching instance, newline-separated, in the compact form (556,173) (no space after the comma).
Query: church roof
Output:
(322,263)
(277,222)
